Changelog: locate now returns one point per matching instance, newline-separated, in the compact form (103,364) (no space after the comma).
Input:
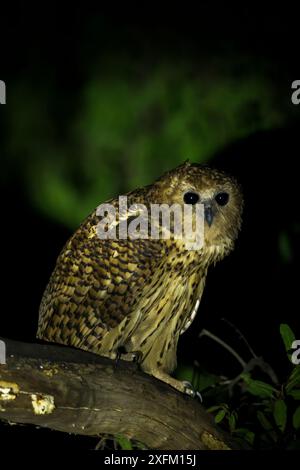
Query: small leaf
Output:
(213,408)
(218,407)
(295,394)
(220,416)
(257,387)
(246,434)
(140,445)
(294,379)
(250,437)
(287,336)
(232,421)
(296,418)
(280,414)
(124,443)
(265,423)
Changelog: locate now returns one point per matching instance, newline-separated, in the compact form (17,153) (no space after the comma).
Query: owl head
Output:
(218,193)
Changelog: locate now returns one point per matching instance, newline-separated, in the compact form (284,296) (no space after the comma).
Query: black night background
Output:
(98,104)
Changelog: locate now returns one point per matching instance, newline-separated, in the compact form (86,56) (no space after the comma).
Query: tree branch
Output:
(78,392)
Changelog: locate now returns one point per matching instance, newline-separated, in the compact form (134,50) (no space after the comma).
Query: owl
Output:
(136,296)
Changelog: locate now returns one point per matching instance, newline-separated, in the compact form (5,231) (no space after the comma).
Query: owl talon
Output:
(189,390)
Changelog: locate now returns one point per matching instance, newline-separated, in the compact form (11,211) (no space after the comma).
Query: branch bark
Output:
(77,392)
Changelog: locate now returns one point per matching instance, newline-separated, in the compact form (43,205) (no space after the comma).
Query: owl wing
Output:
(96,284)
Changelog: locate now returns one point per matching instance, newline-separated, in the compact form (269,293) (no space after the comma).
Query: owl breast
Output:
(165,312)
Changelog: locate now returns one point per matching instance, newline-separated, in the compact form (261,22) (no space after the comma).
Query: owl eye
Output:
(222,199)
(191,198)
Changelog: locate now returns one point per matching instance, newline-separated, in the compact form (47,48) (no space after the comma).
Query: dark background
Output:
(100,103)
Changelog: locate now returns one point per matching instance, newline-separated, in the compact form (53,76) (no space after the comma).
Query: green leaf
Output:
(280,414)
(220,416)
(250,437)
(295,394)
(257,387)
(140,445)
(287,336)
(296,418)
(211,409)
(246,434)
(232,421)
(294,379)
(124,442)
(265,423)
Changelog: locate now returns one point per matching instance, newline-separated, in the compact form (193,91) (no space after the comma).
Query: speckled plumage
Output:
(139,294)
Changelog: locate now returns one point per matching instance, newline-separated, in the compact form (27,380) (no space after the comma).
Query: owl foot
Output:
(182,386)
(189,390)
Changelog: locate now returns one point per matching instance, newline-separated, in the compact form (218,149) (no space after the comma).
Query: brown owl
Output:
(139,295)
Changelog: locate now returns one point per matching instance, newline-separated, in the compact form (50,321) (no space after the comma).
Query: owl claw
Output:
(189,390)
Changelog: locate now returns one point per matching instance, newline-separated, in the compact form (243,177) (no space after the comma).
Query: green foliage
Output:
(264,413)
(280,414)
(223,411)
(257,387)
(296,418)
(245,434)
(124,443)
(287,336)
(293,382)
(220,416)
(123,129)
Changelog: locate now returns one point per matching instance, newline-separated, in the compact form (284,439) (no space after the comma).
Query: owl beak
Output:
(208,214)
